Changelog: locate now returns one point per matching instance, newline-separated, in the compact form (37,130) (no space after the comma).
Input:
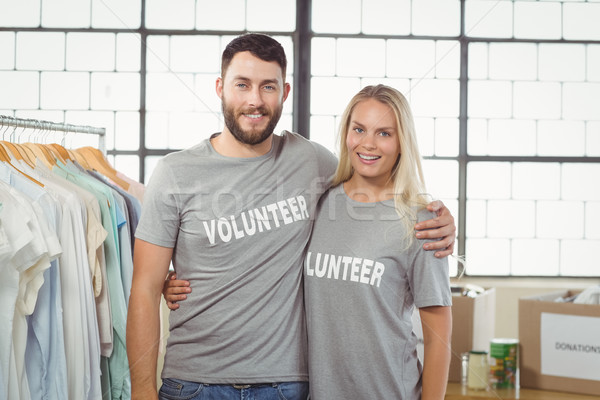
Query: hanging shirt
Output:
(119,369)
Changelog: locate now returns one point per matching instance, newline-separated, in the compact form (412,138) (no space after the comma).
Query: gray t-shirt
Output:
(360,289)
(239,228)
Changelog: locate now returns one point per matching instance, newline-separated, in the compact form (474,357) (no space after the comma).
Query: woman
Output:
(363,271)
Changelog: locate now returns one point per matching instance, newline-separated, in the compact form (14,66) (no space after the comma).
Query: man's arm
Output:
(437,332)
(150,266)
(441,227)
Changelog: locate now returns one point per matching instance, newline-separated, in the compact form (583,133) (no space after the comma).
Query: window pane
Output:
(593,139)
(128,51)
(323,56)
(441,177)
(323,10)
(435,97)
(503,134)
(491,18)
(579,257)
(573,187)
(421,54)
(65,90)
(115,91)
(157,128)
(593,62)
(20,89)
(22,13)
(516,61)
(7,47)
(391,17)
(127,128)
(323,130)
(561,138)
(547,17)
(537,257)
(195,54)
(592,216)
(116,14)
(580,101)
(478,61)
(425,135)
(510,219)
(170,91)
(560,219)
(351,54)
(436,17)
(562,62)
(537,100)
(580,21)
(490,99)
(479,261)
(330,96)
(281,15)
(536,181)
(90,51)
(40,51)
(157,53)
(447,59)
(446,137)
(165,14)
(488,180)
(66,13)
(209,15)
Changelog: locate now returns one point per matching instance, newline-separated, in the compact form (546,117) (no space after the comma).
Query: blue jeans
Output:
(177,389)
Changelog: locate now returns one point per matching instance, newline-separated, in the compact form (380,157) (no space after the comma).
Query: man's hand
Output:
(441,227)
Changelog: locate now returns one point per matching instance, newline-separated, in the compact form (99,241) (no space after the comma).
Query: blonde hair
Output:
(407,175)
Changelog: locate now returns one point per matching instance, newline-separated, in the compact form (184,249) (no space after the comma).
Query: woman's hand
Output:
(175,290)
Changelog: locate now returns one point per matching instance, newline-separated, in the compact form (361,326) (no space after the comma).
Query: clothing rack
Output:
(6,121)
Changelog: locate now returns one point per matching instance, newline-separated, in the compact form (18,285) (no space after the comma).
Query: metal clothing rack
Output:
(56,127)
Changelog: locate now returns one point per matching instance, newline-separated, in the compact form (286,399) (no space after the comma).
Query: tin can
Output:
(504,363)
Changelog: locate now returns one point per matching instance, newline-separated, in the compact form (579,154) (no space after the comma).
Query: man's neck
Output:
(227,145)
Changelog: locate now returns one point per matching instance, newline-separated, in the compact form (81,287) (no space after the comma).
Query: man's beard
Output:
(246,137)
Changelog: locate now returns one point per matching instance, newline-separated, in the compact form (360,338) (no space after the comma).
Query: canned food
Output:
(504,363)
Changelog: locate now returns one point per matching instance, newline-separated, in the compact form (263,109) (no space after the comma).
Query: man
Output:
(234,214)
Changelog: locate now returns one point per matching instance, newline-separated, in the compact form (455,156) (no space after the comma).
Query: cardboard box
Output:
(473,324)
(473,327)
(560,344)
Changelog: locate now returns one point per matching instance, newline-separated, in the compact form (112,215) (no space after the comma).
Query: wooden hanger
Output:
(41,154)
(6,158)
(58,151)
(96,160)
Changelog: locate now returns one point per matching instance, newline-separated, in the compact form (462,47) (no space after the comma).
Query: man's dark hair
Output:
(262,46)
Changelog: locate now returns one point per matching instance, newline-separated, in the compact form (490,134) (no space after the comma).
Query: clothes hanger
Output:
(96,160)
(6,158)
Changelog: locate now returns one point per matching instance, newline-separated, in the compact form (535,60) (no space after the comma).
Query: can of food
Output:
(504,363)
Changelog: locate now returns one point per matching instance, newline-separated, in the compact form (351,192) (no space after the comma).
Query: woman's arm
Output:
(437,332)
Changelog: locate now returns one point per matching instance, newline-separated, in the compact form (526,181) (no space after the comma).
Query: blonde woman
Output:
(364,273)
